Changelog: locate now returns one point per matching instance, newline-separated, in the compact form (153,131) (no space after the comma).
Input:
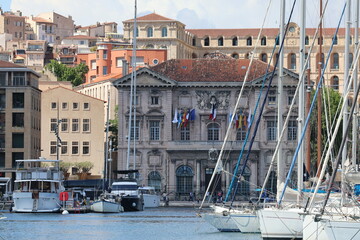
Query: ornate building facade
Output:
(177,143)
(155,31)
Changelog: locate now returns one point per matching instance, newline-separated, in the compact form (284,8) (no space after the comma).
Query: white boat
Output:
(127,189)
(37,189)
(151,199)
(281,223)
(107,204)
(222,222)
(246,221)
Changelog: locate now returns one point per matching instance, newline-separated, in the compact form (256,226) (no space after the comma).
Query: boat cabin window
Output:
(124,187)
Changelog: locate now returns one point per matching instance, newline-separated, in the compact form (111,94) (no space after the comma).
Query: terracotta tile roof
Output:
(4,64)
(42,20)
(210,70)
(81,37)
(151,17)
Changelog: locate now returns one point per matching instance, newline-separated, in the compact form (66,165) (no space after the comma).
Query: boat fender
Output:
(225,213)
(134,204)
(65,212)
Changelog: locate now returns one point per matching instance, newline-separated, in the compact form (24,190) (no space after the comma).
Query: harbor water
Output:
(158,223)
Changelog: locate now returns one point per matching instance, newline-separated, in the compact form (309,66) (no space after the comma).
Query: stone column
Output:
(198,176)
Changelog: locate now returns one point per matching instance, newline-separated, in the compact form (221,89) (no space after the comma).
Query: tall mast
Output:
(355,83)
(134,75)
(132,93)
(301,95)
(346,76)
(280,160)
(106,142)
(321,65)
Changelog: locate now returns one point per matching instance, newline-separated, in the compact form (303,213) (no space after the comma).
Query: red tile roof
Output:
(151,17)
(4,64)
(210,70)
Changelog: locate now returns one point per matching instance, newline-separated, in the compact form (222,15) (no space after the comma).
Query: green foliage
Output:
(93,49)
(75,75)
(333,99)
(65,166)
(84,167)
(113,128)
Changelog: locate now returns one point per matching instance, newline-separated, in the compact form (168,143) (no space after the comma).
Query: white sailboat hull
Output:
(224,223)
(43,202)
(280,223)
(103,206)
(246,222)
(327,228)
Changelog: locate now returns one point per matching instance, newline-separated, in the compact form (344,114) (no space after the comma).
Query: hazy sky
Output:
(193,13)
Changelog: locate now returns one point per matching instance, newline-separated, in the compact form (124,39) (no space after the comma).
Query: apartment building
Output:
(80,121)
(177,142)
(97,30)
(20,115)
(12,23)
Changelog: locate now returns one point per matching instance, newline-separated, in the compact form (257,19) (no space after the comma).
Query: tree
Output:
(75,75)
(333,99)
(113,128)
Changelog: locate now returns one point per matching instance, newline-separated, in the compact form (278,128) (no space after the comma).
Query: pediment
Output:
(145,77)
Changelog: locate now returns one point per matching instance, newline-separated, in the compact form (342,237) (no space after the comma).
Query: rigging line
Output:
(252,116)
(344,105)
(238,100)
(292,103)
(265,98)
(310,111)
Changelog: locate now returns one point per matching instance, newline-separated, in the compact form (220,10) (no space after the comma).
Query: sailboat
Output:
(107,202)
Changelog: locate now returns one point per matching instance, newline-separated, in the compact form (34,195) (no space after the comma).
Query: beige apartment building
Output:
(12,23)
(20,100)
(156,31)
(180,158)
(80,120)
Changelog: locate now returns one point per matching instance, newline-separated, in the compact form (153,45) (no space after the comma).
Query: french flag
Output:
(213,113)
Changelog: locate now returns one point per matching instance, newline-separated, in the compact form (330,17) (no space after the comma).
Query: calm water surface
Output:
(159,223)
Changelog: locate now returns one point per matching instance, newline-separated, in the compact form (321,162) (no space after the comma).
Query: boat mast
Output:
(106,143)
(134,71)
(301,97)
(346,76)
(356,68)
(280,160)
(321,65)
(132,94)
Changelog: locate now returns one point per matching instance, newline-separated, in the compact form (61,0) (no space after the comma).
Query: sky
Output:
(195,14)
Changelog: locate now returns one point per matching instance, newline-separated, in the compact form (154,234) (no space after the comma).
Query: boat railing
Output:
(39,174)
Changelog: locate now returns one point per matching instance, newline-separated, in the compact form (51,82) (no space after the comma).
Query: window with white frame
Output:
(272,97)
(105,54)
(86,125)
(135,129)
(119,62)
(75,148)
(291,94)
(19,79)
(75,125)
(64,105)
(93,64)
(292,130)
(86,148)
(75,106)
(271,129)
(154,130)
(64,125)
(185,133)
(241,133)
(213,132)
(53,147)
(86,106)
(53,105)
(154,100)
(53,124)
(64,148)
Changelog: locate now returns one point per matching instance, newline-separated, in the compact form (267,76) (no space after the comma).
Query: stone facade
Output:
(181,159)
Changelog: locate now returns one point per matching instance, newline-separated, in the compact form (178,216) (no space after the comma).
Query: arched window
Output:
(184,180)
(263,41)
(276,58)
(221,41)
(335,40)
(164,32)
(307,40)
(271,184)
(150,32)
(277,40)
(154,180)
(194,41)
(213,132)
(243,189)
(249,41)
(235,41)
(207,41)
(194,55)
(247,55)
(235,55)
(263,57)
(335,82)
(292,61)
(335,61)
(320,61)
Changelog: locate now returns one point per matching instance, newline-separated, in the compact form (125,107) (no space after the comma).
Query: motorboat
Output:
(127,189)
(107,203)
(37,188)
(151,199)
